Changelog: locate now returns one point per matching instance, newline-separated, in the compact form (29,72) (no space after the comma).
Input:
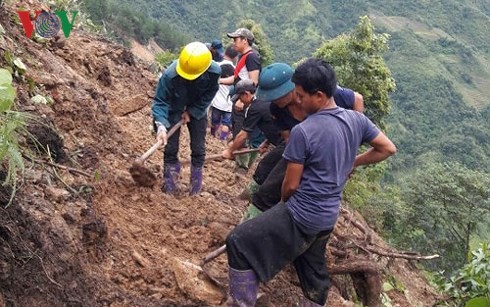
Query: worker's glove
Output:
(161,133)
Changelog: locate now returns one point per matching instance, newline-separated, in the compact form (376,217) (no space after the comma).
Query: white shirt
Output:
(221,100)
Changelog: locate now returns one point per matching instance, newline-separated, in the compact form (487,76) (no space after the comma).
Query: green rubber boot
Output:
(252,157)
(252,212)
(249,191)
(242,161)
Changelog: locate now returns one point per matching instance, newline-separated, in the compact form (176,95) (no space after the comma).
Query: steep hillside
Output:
(80,232)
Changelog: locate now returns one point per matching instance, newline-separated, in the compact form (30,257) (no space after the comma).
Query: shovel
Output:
(141,175)
(218,157)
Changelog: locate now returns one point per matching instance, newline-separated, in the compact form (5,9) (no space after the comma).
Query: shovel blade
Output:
(142,176)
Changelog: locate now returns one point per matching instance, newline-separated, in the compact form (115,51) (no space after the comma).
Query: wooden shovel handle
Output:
(155,146)
(214,254)
(220,157)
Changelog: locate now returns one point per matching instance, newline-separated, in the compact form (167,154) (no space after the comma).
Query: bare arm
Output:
(291,180)
(254,76)
(235,145)
(382,148)
(358,102)
(227,81)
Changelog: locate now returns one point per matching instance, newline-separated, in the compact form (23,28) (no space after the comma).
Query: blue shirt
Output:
(326,143)
(175,94)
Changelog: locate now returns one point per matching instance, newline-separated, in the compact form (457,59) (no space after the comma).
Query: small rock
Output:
(39,99)
(189,282)
(206,195)
(58,195)
(33,175)
(140,259)
(69,218)
(157,296)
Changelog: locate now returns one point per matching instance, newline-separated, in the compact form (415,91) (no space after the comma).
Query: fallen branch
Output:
(214,254)
(409,256)
(66,168)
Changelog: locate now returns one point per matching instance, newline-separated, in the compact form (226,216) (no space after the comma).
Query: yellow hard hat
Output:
(193,61)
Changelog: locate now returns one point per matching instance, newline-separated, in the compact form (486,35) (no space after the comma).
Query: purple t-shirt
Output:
(326,143)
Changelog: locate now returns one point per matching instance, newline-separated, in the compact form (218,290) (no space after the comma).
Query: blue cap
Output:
(275,82)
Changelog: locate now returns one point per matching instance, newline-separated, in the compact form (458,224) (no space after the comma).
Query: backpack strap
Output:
(241,63)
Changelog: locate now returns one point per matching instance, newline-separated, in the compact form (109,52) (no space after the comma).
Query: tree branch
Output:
(69,169)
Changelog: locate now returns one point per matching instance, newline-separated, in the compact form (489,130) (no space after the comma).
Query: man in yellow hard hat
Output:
(185,92)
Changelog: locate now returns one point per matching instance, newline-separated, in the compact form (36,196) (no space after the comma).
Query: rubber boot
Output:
(224,135)
(242,163)
(225,132)
(170,177)
(214,129)
(196,180)
(252,157)
(244,286)
(307,303)
(252,212)
(249,191)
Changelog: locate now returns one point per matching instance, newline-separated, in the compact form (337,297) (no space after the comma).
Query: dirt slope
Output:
(73,240)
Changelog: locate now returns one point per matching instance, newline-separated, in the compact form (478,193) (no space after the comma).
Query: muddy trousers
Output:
(197,132)
(269,192)
(267,243)
(267,163)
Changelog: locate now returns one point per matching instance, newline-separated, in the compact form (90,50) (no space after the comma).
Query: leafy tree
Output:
(263,46)
(97,9)
(165,58)
(446,204)
(357,59)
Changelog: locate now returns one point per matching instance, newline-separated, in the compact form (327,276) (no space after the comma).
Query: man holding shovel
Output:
(185,92)
(257,115)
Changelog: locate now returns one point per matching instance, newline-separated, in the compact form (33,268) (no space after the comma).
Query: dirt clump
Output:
(142,176)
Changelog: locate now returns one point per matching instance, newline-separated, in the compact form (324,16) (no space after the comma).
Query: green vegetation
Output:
(358,62)
(471,283)
(438,210)
(165,58)
(10,123)
(124,22)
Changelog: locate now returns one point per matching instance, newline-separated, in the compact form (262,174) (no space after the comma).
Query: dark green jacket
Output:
(175,95)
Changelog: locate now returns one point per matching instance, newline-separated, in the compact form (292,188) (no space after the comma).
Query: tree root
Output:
(351,250)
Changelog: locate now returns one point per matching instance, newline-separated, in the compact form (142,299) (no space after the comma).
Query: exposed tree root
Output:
(351,251)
